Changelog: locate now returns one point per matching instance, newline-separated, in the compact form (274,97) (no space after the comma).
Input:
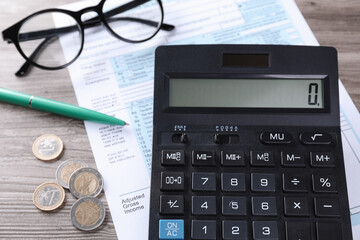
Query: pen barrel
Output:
(14,97)
(73,111)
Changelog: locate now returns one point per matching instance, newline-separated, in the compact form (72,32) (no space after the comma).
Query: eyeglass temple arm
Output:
(26,66)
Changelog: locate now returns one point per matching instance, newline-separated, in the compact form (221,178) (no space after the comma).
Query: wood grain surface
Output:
(334,23)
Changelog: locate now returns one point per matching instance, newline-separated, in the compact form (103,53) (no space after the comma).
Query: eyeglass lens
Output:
(138,23)
(40,39)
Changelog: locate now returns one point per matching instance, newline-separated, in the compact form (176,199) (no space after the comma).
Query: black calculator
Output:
(247,144)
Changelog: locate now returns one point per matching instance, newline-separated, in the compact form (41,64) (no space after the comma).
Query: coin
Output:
(65,169)
(48,196)
(48,147)
(86,182)
(87,213)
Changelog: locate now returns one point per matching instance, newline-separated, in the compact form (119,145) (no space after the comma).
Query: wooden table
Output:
(334,23)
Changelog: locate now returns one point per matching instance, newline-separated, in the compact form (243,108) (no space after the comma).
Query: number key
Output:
(233,182)
(263,230)
(234,230)
(234,205)
(264,206)
(203,229)
(203,181)
(204,205)
(262,182)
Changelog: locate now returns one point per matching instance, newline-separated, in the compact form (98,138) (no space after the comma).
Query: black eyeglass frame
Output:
(11,34)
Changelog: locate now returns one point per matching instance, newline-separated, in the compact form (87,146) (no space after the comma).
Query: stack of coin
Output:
(87,213)
(85,183)
(66,169)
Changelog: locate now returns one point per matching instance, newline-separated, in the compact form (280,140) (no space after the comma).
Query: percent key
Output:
(324,183)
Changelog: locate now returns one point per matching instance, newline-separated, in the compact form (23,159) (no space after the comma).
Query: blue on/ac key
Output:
(170,229)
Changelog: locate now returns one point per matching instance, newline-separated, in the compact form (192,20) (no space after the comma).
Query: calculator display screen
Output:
(246,93)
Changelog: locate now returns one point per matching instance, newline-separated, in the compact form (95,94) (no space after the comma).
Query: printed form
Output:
(116,78)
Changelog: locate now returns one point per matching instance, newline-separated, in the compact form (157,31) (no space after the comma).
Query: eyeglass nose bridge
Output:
(96,9)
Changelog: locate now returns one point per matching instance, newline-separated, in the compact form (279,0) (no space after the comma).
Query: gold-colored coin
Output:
(86,182)
(48,147)
(66,169)
(48,196)
(87,213)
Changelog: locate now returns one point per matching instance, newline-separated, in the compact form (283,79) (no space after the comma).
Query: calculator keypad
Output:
(249,194)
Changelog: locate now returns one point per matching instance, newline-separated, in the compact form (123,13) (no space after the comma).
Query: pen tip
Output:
(127,124)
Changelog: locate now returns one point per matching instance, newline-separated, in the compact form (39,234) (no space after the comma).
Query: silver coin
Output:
(87,213)
(48,196)
(48,147)
(66,169)
(86,182)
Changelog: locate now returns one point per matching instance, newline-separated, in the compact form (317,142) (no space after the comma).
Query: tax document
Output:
(116,78)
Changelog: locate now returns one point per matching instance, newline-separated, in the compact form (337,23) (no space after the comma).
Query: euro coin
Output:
(86,182)
(87,213)
(48,147)
(48,196)
(66,169)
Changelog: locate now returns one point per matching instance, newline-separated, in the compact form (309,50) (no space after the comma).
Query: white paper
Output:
(116,78)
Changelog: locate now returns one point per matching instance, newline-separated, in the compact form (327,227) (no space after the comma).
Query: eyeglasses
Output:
(37,37)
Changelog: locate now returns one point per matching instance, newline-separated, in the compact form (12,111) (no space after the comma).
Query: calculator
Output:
(247,144)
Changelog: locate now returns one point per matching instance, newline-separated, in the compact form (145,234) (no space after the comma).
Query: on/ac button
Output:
(276,137)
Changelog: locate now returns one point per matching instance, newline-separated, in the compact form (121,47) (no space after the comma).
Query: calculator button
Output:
(261,158)
(292,159)
(322,159)
(298,231)
(263,230)
(294,183)
(264,206)
(276,137)
(172,204)
(234,230)
(232,158)
(262,182)
(203,229)
(204,205)
(172,181)
(324,183)
(173,157)
(327,207)
(233,182)
(234,206)
(316,138)
(328,231)
(203,158)
(171,229)
(296,206)
(203,181)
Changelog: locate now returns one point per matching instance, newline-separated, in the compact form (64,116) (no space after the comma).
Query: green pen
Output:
(56,107)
